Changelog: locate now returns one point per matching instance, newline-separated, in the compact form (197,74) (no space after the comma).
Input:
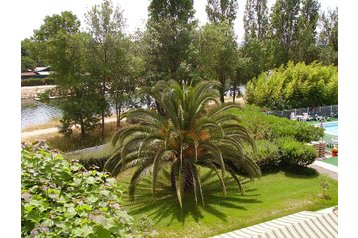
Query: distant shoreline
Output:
(30,92)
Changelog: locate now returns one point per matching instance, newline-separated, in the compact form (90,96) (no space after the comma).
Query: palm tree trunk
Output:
(188,180)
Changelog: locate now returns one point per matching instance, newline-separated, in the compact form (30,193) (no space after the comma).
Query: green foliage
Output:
(182,137)
(218,56)
(222,10)
(284,20)
(328,38)
(37,81)
(63,199)
(168,39)
(256,23)
(76,89)
(306,37)
(295,86)
(66,22)
(107,60)
(266,154)
(269,127)
(29,55)
(279,141)
(259,57)
(296,153)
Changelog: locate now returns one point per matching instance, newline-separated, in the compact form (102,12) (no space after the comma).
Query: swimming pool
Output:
(331,128)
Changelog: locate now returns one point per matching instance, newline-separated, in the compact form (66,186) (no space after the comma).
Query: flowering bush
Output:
(63,199)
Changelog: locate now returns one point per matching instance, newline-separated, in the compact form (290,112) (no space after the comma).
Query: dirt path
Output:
(54,129)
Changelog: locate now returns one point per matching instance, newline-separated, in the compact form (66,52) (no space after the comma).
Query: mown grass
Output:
(332,160)
(274,195)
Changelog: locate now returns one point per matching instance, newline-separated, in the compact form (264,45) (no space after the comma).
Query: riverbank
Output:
(73,142)
(49,131)
(31,92)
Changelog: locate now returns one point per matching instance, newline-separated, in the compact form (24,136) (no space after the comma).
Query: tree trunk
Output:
(148,101)
(119,108)
(102,131)
(234,93)
(222,92)
(188,180)
(83,132)
(222,89)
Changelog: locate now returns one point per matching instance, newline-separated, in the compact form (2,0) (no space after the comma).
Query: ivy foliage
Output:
(63,199)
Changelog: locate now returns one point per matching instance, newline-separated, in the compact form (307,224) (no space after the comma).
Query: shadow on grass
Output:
(164,205)
(293,171)
(300,172)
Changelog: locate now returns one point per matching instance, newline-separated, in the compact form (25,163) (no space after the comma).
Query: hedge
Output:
(294,86)
(266,154)
(37,82)
(280,142)
(269,127)
(294,153)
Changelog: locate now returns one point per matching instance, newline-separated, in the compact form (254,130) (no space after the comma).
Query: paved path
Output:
(325,168)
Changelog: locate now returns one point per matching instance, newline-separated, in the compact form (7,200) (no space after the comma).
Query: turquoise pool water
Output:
(331,128)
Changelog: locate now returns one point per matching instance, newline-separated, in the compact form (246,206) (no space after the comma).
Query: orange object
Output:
(334,151)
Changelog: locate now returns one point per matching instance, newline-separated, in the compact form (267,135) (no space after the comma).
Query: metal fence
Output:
(325,111)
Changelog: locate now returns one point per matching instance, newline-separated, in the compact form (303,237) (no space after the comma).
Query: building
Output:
(39,72)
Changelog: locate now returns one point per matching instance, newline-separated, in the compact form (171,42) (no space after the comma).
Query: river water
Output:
(36,113)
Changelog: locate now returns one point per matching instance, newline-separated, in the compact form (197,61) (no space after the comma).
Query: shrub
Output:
(269,127)
(294,153)
(294,86)
(266,154)
(63,199)
(37,81)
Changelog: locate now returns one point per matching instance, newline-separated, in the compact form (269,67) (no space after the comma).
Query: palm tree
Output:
(187,134)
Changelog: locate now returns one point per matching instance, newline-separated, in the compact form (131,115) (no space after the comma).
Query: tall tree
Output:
(256,48)
(241,73)
(218,54)
(127,69)
(328,37)
(105,25)
(284,19)
(222,10)
(61,45)
(27,61)
(306,48)
(168,37)
(256,19)
(65,22)
(67,55)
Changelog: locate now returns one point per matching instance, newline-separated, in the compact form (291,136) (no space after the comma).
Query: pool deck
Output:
(326,166)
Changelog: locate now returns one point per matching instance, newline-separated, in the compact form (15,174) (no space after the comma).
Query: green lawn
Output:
(274,195)
(332,160)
